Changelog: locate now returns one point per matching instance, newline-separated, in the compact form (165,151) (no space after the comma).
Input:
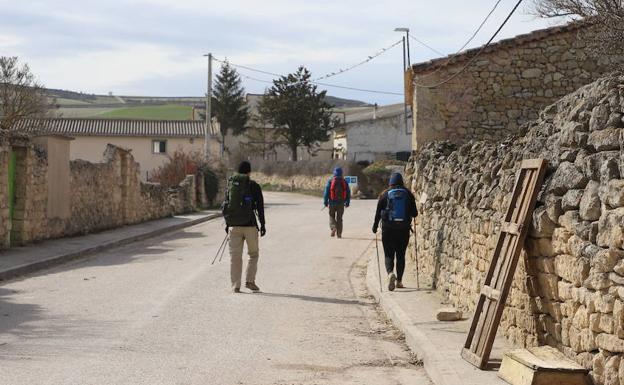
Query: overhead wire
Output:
(472,59)
(487,17)
(311,81)
(368,59)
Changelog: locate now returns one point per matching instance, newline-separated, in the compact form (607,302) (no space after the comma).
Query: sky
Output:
(156,47)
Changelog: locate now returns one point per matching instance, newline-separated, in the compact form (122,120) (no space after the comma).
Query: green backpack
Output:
(238,206)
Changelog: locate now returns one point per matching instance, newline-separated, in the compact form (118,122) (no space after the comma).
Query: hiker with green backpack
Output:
(337,196)
(243,201)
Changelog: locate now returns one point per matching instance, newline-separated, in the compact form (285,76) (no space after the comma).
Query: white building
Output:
(374,133)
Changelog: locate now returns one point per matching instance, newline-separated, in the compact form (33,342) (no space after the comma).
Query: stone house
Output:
(150,141)
(373,133)
(489,92)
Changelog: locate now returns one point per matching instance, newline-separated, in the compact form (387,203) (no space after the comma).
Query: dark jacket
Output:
(258,203)
(257,206)
(412,212)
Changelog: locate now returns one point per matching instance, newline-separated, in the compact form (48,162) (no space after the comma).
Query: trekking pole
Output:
(224,247)
(378,264)
(416,256)
(220,247)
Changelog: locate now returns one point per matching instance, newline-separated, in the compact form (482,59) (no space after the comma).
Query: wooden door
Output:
(503,265)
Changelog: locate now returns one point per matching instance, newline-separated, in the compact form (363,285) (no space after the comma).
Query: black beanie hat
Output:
(244,167)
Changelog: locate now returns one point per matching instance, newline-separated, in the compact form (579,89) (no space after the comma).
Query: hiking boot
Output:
(399,285)
(236,290)
(333,232)
(391,281)
(252,286)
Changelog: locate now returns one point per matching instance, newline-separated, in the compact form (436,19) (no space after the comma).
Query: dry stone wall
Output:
(506,87)
(568,290)
(102,195)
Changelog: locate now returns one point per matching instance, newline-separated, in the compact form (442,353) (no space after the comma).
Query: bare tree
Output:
(21,97)
(607,17)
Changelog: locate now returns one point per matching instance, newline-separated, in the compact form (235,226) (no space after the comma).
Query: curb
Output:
(416,340)
(56,260)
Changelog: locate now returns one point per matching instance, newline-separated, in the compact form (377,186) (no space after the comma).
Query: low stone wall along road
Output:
(157,312)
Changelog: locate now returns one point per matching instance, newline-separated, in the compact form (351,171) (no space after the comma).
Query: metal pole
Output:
(404,87)
(409,62)
(208,128)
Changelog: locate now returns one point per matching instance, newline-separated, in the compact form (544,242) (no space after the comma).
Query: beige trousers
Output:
(238,236)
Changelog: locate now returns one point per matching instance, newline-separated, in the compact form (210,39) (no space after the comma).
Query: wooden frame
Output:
(498,280)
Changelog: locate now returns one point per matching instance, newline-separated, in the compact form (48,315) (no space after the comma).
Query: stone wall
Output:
(505,87)
(4,193)
(568,290)
(102,195)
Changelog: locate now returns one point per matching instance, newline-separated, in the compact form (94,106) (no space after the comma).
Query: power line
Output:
(375,55)
(477,54)
(311,81)
(426,45)
(465,44)
(480,26)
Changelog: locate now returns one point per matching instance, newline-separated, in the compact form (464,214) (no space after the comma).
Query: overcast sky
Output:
(155,47)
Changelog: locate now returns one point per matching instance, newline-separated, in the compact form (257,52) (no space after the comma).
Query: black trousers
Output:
(395,244)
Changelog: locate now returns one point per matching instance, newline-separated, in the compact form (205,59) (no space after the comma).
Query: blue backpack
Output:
(396,207)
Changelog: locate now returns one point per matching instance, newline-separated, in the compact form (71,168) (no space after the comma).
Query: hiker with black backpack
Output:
(243,201)
(395,209)
(337,196)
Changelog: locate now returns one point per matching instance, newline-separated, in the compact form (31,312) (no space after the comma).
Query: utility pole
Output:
(208,128)
(405,66)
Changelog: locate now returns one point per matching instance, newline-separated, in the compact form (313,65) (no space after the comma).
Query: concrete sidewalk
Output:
(24,260)
(437,343)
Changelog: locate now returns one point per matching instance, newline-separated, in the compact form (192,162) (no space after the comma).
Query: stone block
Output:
(599,117)
(448,314)
(559,242)
(574,270)
(604,140)
(548,285)
(611,228)
(611,371)
(606,260)
(567,177)
(581,318)
(609,343)
(570,220)
(582,340)
(598,281)
(606,323)
(571,200)
(615,193)
(589,208)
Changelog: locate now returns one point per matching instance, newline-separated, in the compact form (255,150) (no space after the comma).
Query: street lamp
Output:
(406,63)
(406,30)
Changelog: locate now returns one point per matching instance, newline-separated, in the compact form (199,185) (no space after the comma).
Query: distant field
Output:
(165,112)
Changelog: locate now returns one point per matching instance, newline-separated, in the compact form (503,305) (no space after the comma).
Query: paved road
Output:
(157,312)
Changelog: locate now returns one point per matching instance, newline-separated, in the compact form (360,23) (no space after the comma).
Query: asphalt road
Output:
(157,312)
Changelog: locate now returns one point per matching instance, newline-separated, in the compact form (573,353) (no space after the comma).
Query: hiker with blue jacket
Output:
(337,196)
(395,209)
(243,202)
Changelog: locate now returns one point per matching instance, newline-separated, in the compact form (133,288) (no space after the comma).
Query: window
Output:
(159,146)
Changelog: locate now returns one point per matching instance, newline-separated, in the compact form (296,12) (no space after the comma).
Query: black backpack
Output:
(238,205)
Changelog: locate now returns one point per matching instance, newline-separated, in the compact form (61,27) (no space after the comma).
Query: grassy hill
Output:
(164,112)
(80,105)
